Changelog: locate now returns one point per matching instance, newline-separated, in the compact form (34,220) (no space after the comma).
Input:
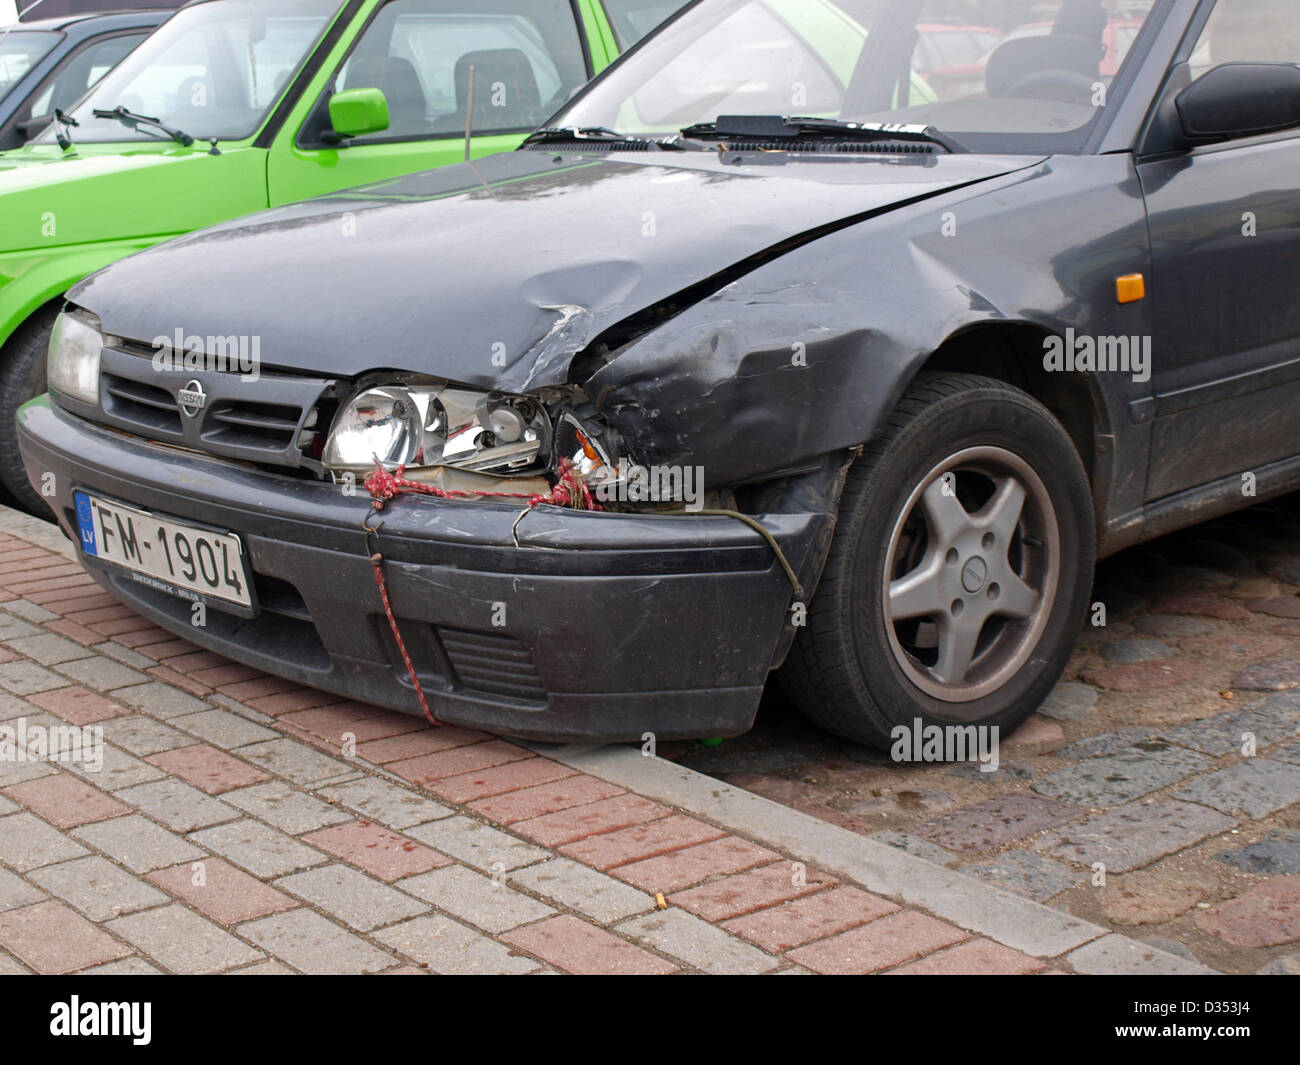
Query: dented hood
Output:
(495,273)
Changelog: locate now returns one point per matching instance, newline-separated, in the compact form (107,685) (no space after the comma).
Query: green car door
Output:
(495,67)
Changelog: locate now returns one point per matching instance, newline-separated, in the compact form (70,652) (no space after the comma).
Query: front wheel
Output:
(22,378)
(960,570)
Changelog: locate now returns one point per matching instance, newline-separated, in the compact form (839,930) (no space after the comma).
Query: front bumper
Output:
(592,627)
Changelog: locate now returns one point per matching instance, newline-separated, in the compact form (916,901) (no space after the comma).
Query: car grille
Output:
(271,422)
(494,664)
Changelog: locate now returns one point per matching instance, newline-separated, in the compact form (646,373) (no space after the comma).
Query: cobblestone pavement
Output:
(238,823)
(1170,754)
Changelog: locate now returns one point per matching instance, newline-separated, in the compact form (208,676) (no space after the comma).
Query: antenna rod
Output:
(469,115)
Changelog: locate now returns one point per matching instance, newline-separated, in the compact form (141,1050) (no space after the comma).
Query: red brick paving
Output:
(170,676)
(404,747)
(208,768)
(745,892)
(680,869)
(65,801)
(366,723)
(226,894)
(499,779)
(640,842)
(575,946)
(879,945)
(459,760)
(607,815)
(77,633)
(1265,916)
(78,705)
(793,924)
(255,689)
(979,957)
(294,699)
(382,853)
(550,797)
(53,938)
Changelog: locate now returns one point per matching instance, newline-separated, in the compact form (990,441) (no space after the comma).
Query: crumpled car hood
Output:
(494,274)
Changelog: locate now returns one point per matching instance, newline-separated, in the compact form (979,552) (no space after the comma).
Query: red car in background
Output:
(951,58)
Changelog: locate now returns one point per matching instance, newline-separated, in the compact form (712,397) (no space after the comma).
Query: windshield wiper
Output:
(133,121)
(600,135)
(782,127)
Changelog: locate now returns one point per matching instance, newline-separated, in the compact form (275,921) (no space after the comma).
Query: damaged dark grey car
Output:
(766,355)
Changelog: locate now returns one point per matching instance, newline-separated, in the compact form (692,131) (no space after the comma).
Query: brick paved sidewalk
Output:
(240,823)
(1168,759)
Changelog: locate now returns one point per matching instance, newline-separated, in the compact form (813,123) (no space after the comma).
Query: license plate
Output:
(180,558)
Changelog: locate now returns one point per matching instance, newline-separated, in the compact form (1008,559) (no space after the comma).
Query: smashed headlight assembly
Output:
(438,425)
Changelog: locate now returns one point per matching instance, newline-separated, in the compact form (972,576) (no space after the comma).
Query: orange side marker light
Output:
(1130,288)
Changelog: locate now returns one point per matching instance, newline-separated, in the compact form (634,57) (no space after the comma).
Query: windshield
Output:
(19,52)
(214,70)
(978,70)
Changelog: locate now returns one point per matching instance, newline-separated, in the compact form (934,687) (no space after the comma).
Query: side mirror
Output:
(1240,100)
(356,112)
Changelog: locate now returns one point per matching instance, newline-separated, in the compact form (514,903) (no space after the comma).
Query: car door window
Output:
(82,74)
(1248,31)
(214,70)
(633,19)
(517,60)
(21,51)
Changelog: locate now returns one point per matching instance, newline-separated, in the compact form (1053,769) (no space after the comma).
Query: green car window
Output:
(213,70)
(19,52)
(525,55)
(82,74)
(633,19)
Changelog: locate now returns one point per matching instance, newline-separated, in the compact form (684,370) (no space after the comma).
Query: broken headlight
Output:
(420,426)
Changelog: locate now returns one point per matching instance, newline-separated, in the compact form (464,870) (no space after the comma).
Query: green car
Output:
(233,107)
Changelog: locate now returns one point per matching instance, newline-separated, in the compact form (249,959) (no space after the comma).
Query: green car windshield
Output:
(214,69)
(19,52)
(874,61)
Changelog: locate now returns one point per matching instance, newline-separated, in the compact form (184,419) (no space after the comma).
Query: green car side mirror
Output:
(356,112)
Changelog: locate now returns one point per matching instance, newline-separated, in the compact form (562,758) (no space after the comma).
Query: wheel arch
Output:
(1012,352)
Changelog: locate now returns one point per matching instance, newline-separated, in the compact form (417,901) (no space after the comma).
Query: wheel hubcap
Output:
(971,574)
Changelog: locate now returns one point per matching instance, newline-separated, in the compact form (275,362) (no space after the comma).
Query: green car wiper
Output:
(64,123)
(133,121)
(782,127)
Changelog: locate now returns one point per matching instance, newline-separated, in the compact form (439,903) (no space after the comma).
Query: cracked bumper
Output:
(594,627)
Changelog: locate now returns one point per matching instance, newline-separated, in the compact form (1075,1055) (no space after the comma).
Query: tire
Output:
(22,378)
(885,638)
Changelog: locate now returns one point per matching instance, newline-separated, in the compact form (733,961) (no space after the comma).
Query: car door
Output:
(498,67)
(76,75)
(1225,237)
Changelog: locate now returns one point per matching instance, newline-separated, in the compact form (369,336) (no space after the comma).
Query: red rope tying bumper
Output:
(570,491)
